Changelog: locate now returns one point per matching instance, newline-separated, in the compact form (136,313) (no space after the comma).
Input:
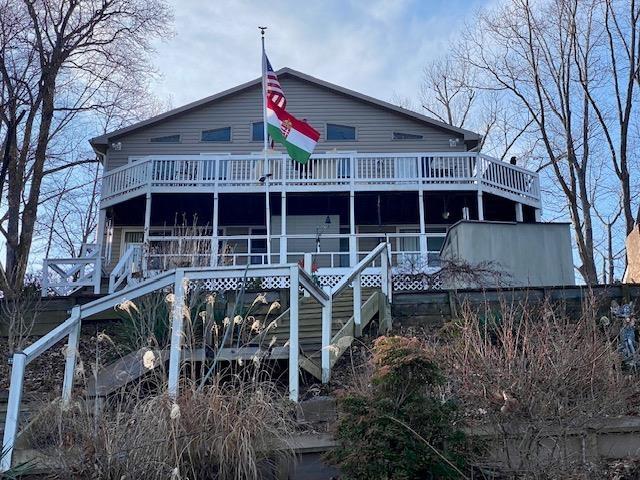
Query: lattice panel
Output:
(417,283)
(401,282)
(330,280)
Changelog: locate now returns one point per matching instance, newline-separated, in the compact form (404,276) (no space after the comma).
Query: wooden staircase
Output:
(374,304)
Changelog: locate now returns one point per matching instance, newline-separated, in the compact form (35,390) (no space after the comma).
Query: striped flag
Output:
(274,89)
(298,137)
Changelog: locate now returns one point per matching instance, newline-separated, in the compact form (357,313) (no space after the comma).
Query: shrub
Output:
(398,427)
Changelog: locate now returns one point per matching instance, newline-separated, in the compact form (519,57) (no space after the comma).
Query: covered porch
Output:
(172,230)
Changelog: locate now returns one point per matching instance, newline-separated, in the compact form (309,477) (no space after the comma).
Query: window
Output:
(340,132)
(216,135)
(257,132)
(406,136)
(166,139)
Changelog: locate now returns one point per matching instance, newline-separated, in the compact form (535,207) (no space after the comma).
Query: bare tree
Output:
(606,41)
(527,52)
(451,91)
(60,60)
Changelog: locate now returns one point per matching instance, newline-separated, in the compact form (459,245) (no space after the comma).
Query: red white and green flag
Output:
(298,137)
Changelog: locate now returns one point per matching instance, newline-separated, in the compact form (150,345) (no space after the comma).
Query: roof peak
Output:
(103,140)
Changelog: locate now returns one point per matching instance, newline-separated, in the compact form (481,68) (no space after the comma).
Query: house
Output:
(189,187)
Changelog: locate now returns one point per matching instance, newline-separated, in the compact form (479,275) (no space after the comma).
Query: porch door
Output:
(132,237)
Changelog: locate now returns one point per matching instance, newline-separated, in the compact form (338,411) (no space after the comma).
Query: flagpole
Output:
(266,172)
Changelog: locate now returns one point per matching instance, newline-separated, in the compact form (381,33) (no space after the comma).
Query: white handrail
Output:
(124,268)
(359,267)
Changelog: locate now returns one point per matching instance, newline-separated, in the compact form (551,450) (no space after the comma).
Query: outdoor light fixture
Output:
(320,230)
(445,210)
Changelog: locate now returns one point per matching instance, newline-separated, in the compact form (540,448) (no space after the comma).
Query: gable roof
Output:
(471,138)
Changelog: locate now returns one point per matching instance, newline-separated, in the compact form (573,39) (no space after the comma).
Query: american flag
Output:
(274,90)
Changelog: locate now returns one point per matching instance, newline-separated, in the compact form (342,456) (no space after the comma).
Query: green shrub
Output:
(398,427)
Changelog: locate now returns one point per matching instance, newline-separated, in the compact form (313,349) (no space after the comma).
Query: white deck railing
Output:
(456,170)
(64,276)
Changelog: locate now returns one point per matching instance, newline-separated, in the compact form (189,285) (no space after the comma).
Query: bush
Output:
(398,427)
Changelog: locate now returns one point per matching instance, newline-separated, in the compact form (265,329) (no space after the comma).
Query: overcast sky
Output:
(377,47)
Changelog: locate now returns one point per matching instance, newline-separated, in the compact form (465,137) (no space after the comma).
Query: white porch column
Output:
(325,354)
(293,334)
(214,232)
(480,206)
(147,227)
(13,409)
(283,227)
(519,216)
(147,217)
(353,260)
(538,214)
(353,244)
(102,220)
(73,344)
(423,230)
(268,218)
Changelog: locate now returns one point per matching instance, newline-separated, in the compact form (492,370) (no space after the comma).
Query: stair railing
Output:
(128,264)
(382,251)
(70,329)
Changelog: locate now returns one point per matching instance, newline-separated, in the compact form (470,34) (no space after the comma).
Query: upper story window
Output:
(216,135)
(340,132)
(406,136)
(257,132)
(166,139)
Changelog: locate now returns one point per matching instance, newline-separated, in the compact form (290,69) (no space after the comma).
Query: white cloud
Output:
(376,47)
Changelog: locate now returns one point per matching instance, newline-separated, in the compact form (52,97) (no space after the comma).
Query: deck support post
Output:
(102,220)
(177,334)
(294,282)
(353,244)
(423,230)
(357,306)
(538,213)
(283,227)
(307,265)
(73,344)
(13,410)
(326,338)
(147,228)
(214,231)
(353,260)
(480,206)
(519,216)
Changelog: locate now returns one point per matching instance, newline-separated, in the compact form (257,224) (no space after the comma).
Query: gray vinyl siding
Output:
(374,125)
